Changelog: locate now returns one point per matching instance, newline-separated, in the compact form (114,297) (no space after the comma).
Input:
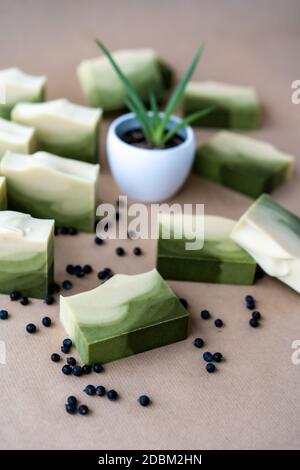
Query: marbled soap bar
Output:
(271,235)
(16,137)
(237,107)
(142,67)
(247,165)
(3,193)
(124,316)
(62,128)
(220,260)
(17,86)
(26,254)
(48,186)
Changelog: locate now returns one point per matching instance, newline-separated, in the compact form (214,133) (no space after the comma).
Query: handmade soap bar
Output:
(142,67)
(26,254)
(220,260)
(271,235)
(3,195)
(242,163)
(16,137)
(49,186)
(17,86)
(237,107)
(63,128)
(124,316)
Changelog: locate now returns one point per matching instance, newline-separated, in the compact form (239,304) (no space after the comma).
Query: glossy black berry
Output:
(207,356)
(71,361)
(31,328)
(3,314)
(87,269)
(49,299)
(250,305)
(137,251)
(249,299)
(71,409)
(205,314)
(24,300)
(54,288)
(72,231)
(77,371)
(100,391)
(217,357)
(112,395)
(86,369)
(183,302)
(99,241)
(46,321)
(67,342)
(64,230)
(253,322)
(98,367)
(218,323)
(210,368)
(15,295)
(90,390)
(65,349)
(67,285)
(120,251)
(256,315)
(144,400)
(102,275)
(55,357)
(198,342)
(71,400)
(83,410)
(70,269)
(67,370)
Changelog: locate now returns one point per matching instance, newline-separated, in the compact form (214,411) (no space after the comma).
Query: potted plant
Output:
(150,153)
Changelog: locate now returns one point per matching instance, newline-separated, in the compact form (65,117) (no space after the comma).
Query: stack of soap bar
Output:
(271,235)
(26,254)
(124,316)
(247,165)
(62,127)
(142,67)
(220,259)
(17,86)
(16,137)
(3,193)
(237,107)
(49,186)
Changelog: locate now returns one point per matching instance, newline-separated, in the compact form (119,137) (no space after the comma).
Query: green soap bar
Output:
(26,254)
(48,186)
(237,107)
(249,166)
(62,128)
(142,67)
(220,260)
(3,193)
(124,316)
(16,137)
(17,86)
(271,235)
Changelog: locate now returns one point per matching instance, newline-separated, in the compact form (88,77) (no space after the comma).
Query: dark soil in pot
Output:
(136,137)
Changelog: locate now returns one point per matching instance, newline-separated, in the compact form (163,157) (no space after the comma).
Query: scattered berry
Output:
(144,400)
(90,390)
(183,302)
(72,231)
(15,295)
(66,369)
(102,275)
(71,361)
(249,299)
(55,357)
(100,391)
(70,269)
(137,251)
(71,400)
(250,306)
(205,314)
(3,314)
(49,299)
(65,349)
(86,369)
(112,395)
(46,321)
(24,300)
(253,322)
(207,356)
(67,342)
(218,323)
(120,251)
(70,409)
(67,284)
(99,241)
(83,410)
(87,269)
(217,357)
(77,371)
(198,342)
(256,315)
(210,368)
(64,230)
(54,288)
(98,368)
(31,328)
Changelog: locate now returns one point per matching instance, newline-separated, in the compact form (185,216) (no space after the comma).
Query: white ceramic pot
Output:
(148,175)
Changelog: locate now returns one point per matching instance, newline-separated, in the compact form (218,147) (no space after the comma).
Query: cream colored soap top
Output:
(225,92)
(14,134)
(59,112)
(20,85)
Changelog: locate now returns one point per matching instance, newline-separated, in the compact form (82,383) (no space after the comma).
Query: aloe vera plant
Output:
(155,125)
